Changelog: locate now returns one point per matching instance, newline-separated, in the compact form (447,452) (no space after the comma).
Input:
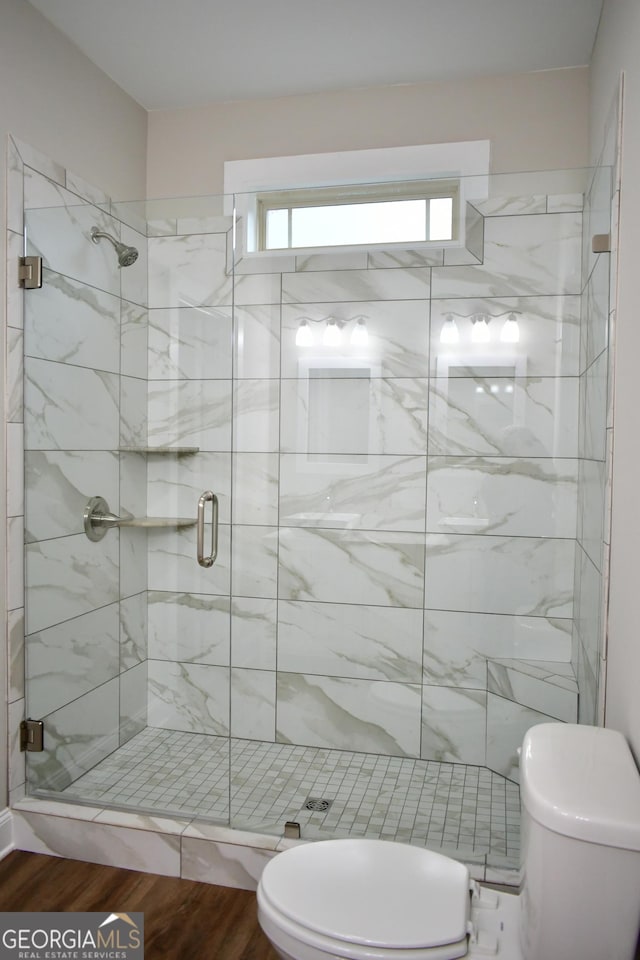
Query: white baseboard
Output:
(6,833)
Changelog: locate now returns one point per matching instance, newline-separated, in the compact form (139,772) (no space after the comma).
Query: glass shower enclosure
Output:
(407,447)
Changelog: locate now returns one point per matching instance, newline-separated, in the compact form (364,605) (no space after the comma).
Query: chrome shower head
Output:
(126,255)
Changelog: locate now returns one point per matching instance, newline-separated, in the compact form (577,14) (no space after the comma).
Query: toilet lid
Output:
(371,892)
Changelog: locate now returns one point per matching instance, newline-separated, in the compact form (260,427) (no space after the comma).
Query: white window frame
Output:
(466,162)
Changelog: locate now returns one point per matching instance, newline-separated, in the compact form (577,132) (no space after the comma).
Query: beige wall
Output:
(617,48)
(534,121)
(54,98)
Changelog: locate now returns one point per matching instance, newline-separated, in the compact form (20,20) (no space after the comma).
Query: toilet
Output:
(361,899)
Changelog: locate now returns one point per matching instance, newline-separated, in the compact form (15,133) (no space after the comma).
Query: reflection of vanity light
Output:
(510,332)
(494,388)
(449,332)
(331,336)
(479,389)
(508,388)
(304,337)
(480,331)
(359,334)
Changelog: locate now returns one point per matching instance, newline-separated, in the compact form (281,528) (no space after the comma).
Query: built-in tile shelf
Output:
(164,451)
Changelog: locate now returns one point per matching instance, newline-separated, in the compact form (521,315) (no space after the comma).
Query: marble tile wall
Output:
(78,644)
(403,514)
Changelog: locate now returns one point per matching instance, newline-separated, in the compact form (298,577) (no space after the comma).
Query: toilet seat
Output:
(368,899)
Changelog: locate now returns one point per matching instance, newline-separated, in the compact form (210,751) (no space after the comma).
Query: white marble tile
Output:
(370,493)
(398,337)
(353,415)
(253,632)
(517,497)
(15,563)
(133,483)
(78,736)
(142,821)
(255,488)
(15,189)
(548,698)
(350,566)
(519,575)
(348,640)
(253,704)
(16,759)
(369,716)
(336,260)
(329,285)
(133,553)
(190,343)
(507,723)
(405,257)
(588,607)
(457,645)
(255,415)
(133,630)
(59,483)
(54,808)
(257,341)
(523,255)
(133,412)
(15,372)
(511,206)
(69,576)
(190,413)
(253,289)
(15,645)
(565,202)
(99,843)
(176,483)
(173,565)
(53,417)
(40,162)
(73,323)
(189,696)
(87,191)
(549,344)
(15,293)
(591,512)
(595,304)
(254,561)
(70,659)
(133,701)
(453,725)
(593,407)
(217,223)
(506,416)
(189,627)
(226,864)
(15,469)
(189,271)
(47,189)
(134,322)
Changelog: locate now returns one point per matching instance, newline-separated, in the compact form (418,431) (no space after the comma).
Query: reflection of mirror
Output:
(493,380)
(335,413)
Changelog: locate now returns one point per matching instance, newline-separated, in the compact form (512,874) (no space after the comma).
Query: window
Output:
(335,217)
(325,200)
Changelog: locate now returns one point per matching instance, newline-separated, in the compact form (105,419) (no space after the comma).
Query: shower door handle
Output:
(211,559)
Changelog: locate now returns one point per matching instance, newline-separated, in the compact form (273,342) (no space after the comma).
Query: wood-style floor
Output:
(183,919)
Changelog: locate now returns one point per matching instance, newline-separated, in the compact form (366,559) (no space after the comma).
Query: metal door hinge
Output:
(601,243)
(32,736)
(30,273)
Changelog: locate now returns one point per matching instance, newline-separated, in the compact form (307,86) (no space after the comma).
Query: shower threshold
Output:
(467,812)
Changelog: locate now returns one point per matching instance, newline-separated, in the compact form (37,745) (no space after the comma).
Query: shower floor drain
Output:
(319,804)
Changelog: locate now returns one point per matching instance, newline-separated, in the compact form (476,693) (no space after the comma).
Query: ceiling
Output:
(178,53)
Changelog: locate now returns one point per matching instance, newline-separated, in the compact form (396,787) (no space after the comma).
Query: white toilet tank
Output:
(580,792)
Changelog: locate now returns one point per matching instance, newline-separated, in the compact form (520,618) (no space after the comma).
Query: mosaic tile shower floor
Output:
(464,811)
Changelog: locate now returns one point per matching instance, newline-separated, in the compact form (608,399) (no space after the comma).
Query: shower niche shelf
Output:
(162,451)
